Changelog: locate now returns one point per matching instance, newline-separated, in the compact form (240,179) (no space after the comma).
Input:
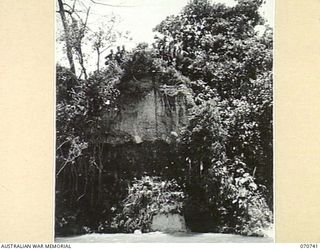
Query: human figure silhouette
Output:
(118,56)
(109,57)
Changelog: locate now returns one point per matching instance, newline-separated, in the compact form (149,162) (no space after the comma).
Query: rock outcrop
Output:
(168,223)
(157,115)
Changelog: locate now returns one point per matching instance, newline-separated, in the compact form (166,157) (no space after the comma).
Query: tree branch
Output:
(63,166)
(71,8)
(74,5)
(105,49)
(67,34)
(62,144)
(111,5)
(87,16)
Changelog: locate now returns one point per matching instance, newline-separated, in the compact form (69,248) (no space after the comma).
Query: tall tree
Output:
(66,27)
(74,16)
(78,32)
(222,51)
(105,37)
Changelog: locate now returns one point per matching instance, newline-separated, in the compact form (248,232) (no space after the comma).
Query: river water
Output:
(158,237)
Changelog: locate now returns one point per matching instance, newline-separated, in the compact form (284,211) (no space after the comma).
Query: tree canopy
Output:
(222,51)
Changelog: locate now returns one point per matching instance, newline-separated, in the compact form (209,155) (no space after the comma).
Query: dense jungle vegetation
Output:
(221,165)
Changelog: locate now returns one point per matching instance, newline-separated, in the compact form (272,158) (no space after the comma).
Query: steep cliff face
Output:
(157,115)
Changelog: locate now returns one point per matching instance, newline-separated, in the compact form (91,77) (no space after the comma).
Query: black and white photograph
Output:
(164,121)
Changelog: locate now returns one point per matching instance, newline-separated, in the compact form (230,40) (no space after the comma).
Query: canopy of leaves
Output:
(218,44)
(228,61)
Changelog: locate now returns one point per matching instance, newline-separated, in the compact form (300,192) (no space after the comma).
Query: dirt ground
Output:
(158,237)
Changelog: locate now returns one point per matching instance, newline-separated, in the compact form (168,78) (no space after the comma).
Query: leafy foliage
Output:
(146,198)
(240,205)
(229,64)
(230,187)
(217,44)
(79,125)
(145,62)
(219,49)
(80,102)
(78,37)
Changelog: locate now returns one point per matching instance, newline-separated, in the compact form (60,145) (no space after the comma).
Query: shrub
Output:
(241,206)
(232,193)
(146,198)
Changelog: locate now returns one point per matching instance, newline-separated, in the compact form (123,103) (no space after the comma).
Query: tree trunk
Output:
(67,35)
(81,61)
(98,60)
